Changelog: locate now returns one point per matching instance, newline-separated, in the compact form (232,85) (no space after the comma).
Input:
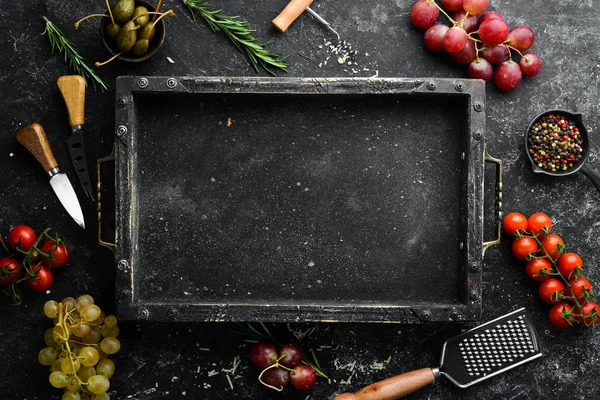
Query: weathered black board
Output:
(163,361)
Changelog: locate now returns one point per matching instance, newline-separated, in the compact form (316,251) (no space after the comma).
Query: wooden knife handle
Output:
(392,388)
(290,13)
(34,139)
(72,88)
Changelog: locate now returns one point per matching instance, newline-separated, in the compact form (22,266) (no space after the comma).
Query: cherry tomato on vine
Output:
(523,246)
(514,222)
(10,270)
(567,263)
(43,279)
(535,266)
(23,236)
(536,222)
(59,254)
(581,288)
(590,312)
(550,290)
(560,315)
(554,246)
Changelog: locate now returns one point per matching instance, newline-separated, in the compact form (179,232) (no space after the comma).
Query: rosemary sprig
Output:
(239,34)
(79,64)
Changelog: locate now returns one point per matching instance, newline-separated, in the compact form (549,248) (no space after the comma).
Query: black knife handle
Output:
(77,153)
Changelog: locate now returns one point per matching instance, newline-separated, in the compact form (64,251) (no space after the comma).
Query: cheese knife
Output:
(34,139)
(72,88)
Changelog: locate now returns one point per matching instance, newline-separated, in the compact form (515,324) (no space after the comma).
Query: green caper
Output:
(141,47)
(123,10)
(147,32)
(112,30)
(127,36)
(143,20)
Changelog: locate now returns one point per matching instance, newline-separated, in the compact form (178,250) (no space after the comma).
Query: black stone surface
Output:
(175,360)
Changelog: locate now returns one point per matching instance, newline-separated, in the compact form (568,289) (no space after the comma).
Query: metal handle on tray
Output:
(498,162)
(110,157)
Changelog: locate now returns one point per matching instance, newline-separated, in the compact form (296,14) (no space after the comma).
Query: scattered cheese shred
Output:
(213,373)
(203,349)
(169,59)
(229,380)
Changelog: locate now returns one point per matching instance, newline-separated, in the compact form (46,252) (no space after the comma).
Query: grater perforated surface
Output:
(490,349)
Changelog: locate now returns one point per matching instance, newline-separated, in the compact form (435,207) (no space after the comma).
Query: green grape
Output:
(98,384)
(93,337)
(110,321)
(73,385)
(90,312)
(106,368)
(51,309)
(56,365)
(47,356)
(67,367)
(103,355)
(83,301)
(81,330)
(59,379)
(100,319)
(68,303)
(103,396)
(84,373)
(86,396)
(70,396)
(49,338)
(90,356)
(109,332)
(110,345)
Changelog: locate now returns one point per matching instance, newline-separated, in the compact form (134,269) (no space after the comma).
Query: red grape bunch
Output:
(479,39)
(282,365)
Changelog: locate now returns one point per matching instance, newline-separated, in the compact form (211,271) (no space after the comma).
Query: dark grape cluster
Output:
(282,365)
(479,39)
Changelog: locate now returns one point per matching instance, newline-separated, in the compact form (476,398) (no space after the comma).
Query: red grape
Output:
(468,24)
(263,354)
(455,39)
(488,15)
(466,55)
(424,14)
(434,37)
(291,355)
(475,7)
(494,54)
(303,377)
(277,377)
(452,5)
(530,64)
(493,31)
(521,37)
(508,76)
(481,69)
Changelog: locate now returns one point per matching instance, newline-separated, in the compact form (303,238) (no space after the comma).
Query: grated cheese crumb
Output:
(169,59)
(203,349)
(229,380)
(212,373)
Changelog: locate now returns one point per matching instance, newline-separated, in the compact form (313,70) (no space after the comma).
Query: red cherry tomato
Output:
(23,236)
(59,254)
(560,315)
(43,279)
(538,269)
(580,289)
(550,290)
(590,312)
(10,270)
(514,222)
(567,263)
(523,246)
(536,222)
(554,246)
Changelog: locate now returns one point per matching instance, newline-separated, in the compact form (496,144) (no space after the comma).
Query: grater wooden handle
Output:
(392,388)
(290,13)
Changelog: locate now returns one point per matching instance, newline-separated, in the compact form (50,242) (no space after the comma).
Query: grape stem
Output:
(62,322)
(443,12)
(509,47)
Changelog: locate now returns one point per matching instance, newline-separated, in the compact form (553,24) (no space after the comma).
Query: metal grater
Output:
(489,349)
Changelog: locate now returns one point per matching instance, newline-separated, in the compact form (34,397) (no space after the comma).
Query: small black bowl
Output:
(581,165)
(157,40)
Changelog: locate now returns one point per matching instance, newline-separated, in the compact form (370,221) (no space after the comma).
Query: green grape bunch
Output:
(78,347)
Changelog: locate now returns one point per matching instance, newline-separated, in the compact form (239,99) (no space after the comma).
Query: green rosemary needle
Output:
(72,57)
(239,34)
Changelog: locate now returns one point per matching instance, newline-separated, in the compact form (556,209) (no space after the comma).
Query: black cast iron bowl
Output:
(581,165)
(157,40)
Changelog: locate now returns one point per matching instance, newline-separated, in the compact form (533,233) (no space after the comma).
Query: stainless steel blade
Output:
(65,193)
(77,153)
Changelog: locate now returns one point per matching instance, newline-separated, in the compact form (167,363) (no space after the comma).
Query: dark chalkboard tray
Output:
(299,199)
